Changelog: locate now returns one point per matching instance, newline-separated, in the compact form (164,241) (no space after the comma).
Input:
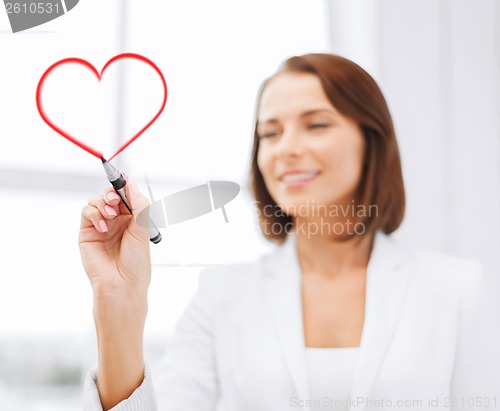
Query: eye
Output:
(318,126)
(268,135)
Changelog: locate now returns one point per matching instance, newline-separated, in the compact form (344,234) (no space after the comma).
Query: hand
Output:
(114,248)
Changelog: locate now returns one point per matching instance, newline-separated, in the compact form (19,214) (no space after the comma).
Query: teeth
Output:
(294,178)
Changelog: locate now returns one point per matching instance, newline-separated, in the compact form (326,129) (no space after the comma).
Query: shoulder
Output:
(429,271)
(445,282)
(446,265)
(446,271)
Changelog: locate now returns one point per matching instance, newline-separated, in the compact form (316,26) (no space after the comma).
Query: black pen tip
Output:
(103,160)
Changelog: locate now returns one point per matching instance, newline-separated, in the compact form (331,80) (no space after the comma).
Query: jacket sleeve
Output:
(186,377)
(476,373)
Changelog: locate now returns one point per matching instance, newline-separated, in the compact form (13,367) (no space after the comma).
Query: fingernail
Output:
(110,210)
(103,226)
(112,196)
(134,187)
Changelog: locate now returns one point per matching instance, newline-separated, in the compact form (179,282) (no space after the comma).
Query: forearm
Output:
(120,329)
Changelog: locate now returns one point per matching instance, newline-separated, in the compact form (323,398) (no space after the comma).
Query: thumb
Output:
(140,206)
(137,202)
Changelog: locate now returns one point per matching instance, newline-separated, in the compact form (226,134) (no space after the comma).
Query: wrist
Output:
(120,315)
(110,295)
(127,310)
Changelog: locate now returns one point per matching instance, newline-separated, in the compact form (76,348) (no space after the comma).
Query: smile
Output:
(298,179)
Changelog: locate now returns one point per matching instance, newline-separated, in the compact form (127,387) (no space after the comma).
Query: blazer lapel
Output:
(282,288)
(388,275)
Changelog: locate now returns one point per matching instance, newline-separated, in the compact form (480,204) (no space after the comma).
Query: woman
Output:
(341,316)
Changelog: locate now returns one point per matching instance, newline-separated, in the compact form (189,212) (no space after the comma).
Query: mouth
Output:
(298,178)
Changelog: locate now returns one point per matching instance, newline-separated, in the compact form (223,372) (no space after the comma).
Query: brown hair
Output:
(354,93)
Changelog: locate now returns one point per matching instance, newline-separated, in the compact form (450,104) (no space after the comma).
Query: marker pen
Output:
(118,182)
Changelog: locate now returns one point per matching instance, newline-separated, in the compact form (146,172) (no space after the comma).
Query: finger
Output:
(138,203)
(91,216)
(110,197)
(107,211)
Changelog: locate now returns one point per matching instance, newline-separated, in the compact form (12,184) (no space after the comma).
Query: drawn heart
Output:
(86,64)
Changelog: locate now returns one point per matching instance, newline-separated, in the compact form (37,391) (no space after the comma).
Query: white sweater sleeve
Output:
(142,399)
(186,378)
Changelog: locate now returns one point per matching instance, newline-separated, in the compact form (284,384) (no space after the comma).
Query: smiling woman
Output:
(336,312)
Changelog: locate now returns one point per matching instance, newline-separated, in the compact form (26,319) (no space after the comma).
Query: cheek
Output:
(343,158)
(334,156)
(263,162)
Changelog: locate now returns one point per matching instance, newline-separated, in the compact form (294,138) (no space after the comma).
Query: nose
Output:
(290,144)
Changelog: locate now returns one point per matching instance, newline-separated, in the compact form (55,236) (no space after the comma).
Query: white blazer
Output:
(428,340)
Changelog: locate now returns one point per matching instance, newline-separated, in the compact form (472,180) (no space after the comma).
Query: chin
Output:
(300,204)
(296,206)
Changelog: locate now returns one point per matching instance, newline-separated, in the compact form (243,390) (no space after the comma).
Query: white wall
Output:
(214,55)
(438,64)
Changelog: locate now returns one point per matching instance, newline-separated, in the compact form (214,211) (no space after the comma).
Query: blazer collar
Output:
(388,275)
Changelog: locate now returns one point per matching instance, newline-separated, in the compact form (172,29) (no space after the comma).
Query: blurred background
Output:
(437,63)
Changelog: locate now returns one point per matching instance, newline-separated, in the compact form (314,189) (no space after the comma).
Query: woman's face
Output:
(309,153)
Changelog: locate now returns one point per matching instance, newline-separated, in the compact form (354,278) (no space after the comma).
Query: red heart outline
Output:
(99,77)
